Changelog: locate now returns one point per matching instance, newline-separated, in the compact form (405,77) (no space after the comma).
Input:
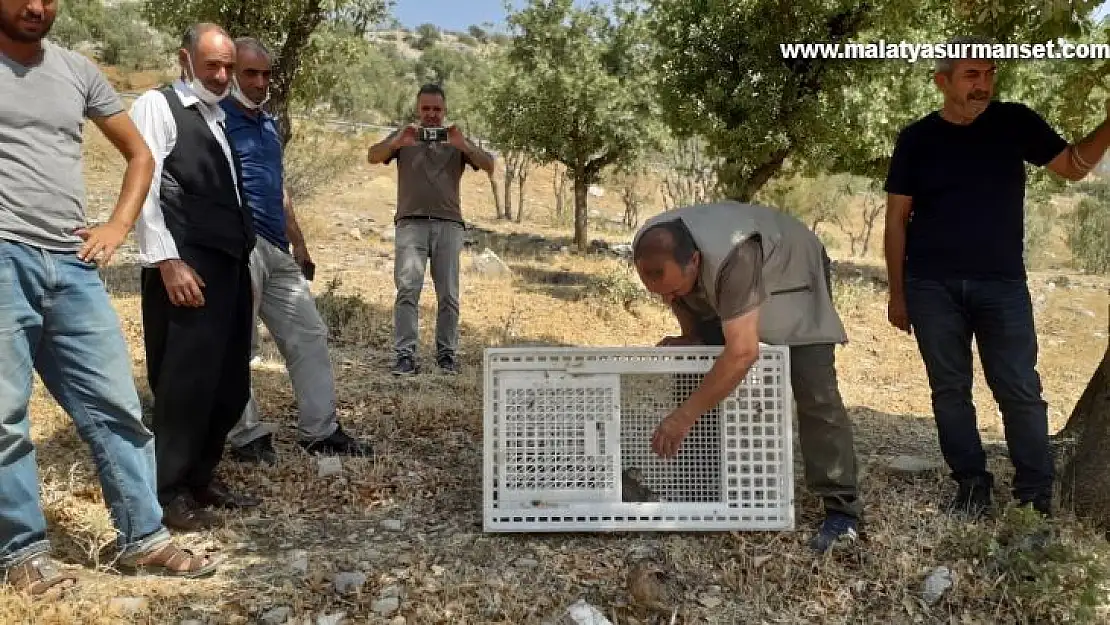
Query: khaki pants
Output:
(824,429)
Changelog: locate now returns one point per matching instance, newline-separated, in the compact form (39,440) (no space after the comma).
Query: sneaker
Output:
(260,450)
(338,444)
(973,497)
(447,364)
(406,365)
(836,527)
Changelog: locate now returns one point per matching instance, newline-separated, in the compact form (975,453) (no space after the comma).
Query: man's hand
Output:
(670,432)
(301,255)
(896,313)
(406,138)
(678,341)
(183,285)
(455,138)
(101,242)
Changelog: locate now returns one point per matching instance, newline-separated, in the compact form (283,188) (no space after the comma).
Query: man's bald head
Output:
(667,259)
(208,54)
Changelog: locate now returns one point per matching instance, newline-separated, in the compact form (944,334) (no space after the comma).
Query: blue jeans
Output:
(945,315)
(56,318)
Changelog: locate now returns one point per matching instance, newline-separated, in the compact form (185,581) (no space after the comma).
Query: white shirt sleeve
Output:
(151,114)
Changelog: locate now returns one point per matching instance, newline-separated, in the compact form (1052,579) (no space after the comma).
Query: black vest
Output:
(198,192)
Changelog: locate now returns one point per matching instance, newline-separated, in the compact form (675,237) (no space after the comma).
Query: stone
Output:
(913,464)
(127,605)
(399,620)
(388,234)
(191,621)
(489,264)
(392,525)
(578,613)
(298,562)
(346,583)
(277,616)
(709,601)
(936,584)
(527,563)
(331,619)
(759,561)
(355,234)
(386,606)
(328,466)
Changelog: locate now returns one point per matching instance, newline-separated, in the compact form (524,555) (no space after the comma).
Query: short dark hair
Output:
(431,89)
(250,43)
(193,33)
(670,237)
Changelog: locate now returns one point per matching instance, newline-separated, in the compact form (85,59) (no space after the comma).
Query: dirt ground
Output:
(406,524)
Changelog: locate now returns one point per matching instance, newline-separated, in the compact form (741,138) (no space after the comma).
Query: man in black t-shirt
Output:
(954,250)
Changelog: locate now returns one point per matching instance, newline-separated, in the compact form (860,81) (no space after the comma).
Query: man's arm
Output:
(740,352)
(732,365)
(183,285)
(292,228)
(152,116)
(1077,160)
(898,209)
(101,242)
(386,149)
(478,157)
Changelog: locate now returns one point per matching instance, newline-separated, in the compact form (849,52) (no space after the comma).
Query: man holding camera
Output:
(280,268)
(430,159)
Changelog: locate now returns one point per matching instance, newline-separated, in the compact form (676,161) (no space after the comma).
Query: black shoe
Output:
(973,497)
(447,364)
(406,365)
(837,527)
(218,495)
(338,444)
(259,450)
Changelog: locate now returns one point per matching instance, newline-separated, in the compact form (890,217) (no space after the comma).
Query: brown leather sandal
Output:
(39,576)
(169,560)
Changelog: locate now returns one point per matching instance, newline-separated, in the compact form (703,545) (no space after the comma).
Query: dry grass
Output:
(428,434)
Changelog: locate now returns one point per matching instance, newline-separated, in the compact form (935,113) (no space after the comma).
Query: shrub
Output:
(1089,232)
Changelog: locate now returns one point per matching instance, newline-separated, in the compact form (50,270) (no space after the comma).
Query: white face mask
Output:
(202,92)
(238,94)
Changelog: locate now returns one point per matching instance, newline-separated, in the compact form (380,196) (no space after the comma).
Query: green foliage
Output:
(121,36)
(1089,230)
(314,158)
(575,87)
(1029,572)
(426,36)
(724,77)
(285,26)
(478,33)
(1040,216)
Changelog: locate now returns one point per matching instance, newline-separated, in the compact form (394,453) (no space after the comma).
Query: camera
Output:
(433,135)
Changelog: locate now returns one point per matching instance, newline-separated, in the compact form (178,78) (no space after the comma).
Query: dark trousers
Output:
(945,315)
(824,428)
(198,366)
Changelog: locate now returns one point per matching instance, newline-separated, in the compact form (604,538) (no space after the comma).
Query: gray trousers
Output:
(283,301)
(418,242)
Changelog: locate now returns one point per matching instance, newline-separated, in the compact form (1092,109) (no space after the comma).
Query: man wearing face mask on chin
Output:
(195,236)
(280,270)
(954,253)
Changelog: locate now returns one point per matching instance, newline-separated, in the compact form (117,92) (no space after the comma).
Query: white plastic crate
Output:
(567,442)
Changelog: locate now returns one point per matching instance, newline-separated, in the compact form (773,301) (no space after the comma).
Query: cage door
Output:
(560,438)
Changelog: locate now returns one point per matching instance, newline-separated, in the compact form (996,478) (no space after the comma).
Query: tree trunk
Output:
(744,188)
(521,178)
(581,214)
(1085,480)
(496,194)
(510,175)
(1086,404)
(288,64)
